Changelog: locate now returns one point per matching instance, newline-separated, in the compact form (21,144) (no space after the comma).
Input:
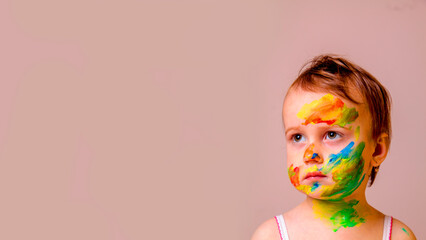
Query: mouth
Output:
(314,176)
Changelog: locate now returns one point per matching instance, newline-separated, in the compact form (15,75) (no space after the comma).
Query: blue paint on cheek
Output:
(344,153)
(314,156)
(315,186)
(336,159)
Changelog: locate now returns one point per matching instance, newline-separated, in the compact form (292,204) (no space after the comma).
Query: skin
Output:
(335,207)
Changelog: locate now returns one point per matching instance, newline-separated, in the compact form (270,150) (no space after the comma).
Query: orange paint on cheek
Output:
(293,173)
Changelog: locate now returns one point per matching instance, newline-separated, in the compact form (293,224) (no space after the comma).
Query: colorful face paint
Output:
(328,110)
(346,167)
(315,186)
(309,153)
(293,173)
(340,214)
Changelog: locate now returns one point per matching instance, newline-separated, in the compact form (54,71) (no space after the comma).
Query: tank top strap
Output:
(387,228)
(281,227)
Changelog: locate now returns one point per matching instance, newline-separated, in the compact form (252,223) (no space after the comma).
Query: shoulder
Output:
(268,230)
(401,231)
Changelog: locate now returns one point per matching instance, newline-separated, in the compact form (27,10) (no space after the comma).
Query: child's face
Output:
(329,144)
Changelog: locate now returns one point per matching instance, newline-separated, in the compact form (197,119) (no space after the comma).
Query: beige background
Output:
(162,119)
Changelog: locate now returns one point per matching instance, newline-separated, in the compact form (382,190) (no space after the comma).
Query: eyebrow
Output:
(291,128)
(296,128)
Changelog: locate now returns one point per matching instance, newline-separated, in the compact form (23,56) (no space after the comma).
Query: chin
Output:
(311,191)
(316,196)
(319,192)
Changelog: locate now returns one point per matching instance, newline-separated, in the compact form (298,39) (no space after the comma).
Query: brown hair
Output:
(337,75)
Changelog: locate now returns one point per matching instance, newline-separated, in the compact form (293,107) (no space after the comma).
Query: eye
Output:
(331,135)
(298,138)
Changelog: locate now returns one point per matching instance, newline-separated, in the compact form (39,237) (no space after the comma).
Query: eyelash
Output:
(293,137)
(338,135)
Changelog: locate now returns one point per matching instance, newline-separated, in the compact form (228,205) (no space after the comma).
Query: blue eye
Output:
(332,135)
(298,138)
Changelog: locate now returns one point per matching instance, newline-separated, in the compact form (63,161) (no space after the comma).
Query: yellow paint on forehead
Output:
(328,109)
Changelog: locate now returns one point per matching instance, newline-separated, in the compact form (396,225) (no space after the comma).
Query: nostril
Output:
(310,155)
(318,159)
(314,158)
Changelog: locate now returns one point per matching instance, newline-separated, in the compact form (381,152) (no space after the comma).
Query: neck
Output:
(348,212)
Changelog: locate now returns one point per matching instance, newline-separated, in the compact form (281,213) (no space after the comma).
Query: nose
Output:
(311,156)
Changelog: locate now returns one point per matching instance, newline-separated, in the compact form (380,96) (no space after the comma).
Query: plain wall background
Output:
(162,119)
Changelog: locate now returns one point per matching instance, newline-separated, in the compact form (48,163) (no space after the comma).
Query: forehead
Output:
(299,101)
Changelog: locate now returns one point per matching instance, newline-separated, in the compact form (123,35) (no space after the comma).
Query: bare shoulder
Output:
(400,231)
(268,230)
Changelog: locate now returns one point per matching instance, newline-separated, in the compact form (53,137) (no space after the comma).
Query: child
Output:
(337,126)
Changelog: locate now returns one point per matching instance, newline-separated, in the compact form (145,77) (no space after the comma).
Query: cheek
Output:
(295,155)
(346,160)
(293,174)
(347,169)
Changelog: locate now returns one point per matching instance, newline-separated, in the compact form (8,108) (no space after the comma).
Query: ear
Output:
(381,150)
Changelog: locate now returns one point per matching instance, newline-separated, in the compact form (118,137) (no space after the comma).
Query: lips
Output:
(314,175)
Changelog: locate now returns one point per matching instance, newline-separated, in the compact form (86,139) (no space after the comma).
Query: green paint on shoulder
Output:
(403,229)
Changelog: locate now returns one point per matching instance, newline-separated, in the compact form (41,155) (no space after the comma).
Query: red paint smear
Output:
(318,120)
(295,178)
(315,117)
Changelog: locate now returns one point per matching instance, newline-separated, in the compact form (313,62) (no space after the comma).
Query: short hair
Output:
(331,73)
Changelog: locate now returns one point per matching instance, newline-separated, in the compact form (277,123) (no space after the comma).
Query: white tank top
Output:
(387,227)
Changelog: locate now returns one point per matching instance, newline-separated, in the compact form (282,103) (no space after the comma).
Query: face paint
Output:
(340,214)
(347,170)
(309,153)
(328,110)
(346,167)
(315,186)
(356,133)
(293,173)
